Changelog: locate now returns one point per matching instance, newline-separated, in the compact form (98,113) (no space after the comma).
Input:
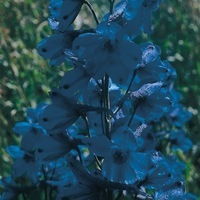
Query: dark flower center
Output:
(109,45)
(119,156)
(28,157)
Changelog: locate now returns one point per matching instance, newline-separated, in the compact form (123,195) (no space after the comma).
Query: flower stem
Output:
(132,79)
(133,113)
(111,6)
(45,185)
(126,95)
(93,12)
(106,104)
(87,124)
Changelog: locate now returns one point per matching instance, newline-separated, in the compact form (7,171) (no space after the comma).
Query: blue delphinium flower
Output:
(31,138)
(151,101)
(30,130)
(146,139)
(74,81)
(122,163)
(64,12)
(33,113)
(135,15)
(64,111)
(173,191)
(11,189)
(179,140)
(90,185)
(117,54)
(97,138)
(50,148)
(25,163)
(163,172)
(53,47)
(151,67)
(61,114)
(178,115)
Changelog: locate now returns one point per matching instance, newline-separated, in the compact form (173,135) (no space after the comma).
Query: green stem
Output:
(126,95)
(106,104)
(133,113)
(45,185)
(111,6)
(132,79)
(87,124)
(92,10)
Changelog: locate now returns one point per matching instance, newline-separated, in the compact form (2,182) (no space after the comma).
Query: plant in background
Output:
(115,122)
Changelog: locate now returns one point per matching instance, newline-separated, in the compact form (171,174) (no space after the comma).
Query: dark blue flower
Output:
(25,163)
(11,190)
(179,140)
(163,172)
(59,174)
(151,101)
(135,15)
(74,81)
(51,148)
(33,113)
(64,12)
(22,128)
(147,139)
(30,139)
(122,163)
(117,54)
(178,115)
(172,190)
(64,111)
(53,47)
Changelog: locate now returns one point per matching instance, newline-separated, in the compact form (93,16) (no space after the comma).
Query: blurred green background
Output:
(25,78)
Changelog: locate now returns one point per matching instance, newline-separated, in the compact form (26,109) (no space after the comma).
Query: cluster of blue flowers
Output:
(115,122)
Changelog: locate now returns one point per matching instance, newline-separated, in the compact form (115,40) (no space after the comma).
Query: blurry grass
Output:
(26,78)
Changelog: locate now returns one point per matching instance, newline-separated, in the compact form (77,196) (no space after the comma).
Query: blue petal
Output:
(99,145)
(22,128)
(15,152)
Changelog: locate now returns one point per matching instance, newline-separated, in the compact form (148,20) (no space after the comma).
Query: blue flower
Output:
(147,139)
(122,163)
(74,81)
(135,15)
(33,113)
(117,54)
(151,101)
(180,141)
(22,128)
(11,189)
(51,148)
(53,47)
(172,190)
(150,53)
(90,185)
(25,163)
(64,111)
(64,12)
(30,139)
(163,172)
(178,115)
